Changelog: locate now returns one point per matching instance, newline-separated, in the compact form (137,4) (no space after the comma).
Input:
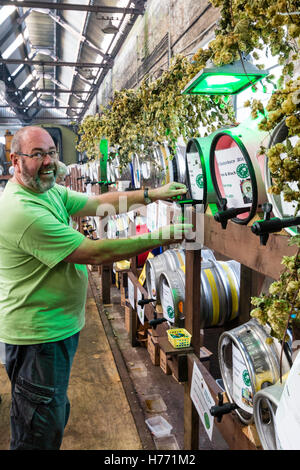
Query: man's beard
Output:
(34,182)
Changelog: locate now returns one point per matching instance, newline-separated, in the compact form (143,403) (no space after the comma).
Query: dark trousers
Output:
(39,376)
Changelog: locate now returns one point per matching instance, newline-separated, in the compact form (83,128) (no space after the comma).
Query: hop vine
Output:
(157,112)
(281,306)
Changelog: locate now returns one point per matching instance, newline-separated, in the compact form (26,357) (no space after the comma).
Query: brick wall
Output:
(188,23)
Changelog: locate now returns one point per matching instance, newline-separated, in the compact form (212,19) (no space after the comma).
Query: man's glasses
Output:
(39,155)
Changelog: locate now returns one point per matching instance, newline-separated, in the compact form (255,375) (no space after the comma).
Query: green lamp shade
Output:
(226,80)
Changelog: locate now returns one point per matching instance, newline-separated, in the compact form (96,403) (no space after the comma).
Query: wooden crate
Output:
(163,362)
(153,349)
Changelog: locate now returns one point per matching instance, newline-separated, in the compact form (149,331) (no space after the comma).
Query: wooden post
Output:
(133,321)
(192,325)
(105,282)
(105,270)
(250,285)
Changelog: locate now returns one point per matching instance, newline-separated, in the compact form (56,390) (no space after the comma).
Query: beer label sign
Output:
(202,399)
(195,176)
(241,384)
(235,177)
(168,303)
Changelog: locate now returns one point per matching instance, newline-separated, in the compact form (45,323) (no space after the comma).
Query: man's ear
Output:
(15,161)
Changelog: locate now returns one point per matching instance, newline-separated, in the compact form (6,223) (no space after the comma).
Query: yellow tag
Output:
(142,277)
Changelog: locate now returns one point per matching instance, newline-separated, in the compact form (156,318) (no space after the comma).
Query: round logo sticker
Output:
(246,378)
(199,181)
(170,312)
(242,170)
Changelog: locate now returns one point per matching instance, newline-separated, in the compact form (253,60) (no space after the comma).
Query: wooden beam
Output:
(191,417)
(192,297)
(239,243)
(192,325)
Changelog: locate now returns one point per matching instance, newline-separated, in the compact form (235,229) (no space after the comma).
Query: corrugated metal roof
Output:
(36,74)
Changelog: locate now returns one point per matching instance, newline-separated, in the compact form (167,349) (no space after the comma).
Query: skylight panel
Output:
(28,80)
(13,46)
(5,12)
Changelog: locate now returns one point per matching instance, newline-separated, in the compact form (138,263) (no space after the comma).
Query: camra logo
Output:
(246,378)
(170,312)
(206,420)
(242,170)
(199,181)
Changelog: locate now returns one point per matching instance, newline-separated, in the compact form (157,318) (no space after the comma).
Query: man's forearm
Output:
(98,252)
(108,251)
(122,201)
(116,202)
(116,250)
(112,203)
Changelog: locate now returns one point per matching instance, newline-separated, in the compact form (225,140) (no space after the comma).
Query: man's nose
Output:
(47,160)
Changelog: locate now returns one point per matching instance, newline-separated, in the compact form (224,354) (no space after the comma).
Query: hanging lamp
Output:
(228,79)
(110,28)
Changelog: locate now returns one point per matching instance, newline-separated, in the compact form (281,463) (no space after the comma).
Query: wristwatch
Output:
(146,196)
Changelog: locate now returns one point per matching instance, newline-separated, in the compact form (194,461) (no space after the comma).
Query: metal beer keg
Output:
(248,363)
(264,409)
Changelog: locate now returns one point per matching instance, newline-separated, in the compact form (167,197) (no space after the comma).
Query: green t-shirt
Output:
(42,298)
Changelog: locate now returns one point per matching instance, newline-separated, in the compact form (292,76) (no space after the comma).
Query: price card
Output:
(202,399)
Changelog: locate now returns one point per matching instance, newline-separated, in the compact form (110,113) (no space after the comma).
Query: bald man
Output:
(44,281)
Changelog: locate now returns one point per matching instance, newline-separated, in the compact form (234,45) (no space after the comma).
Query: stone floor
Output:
(114,388)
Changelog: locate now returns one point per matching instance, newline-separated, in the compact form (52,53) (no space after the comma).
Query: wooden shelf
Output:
(239,243)
(257,261)
(236,242)
(167,347)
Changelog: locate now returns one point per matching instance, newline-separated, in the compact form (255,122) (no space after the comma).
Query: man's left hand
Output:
(168,191)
